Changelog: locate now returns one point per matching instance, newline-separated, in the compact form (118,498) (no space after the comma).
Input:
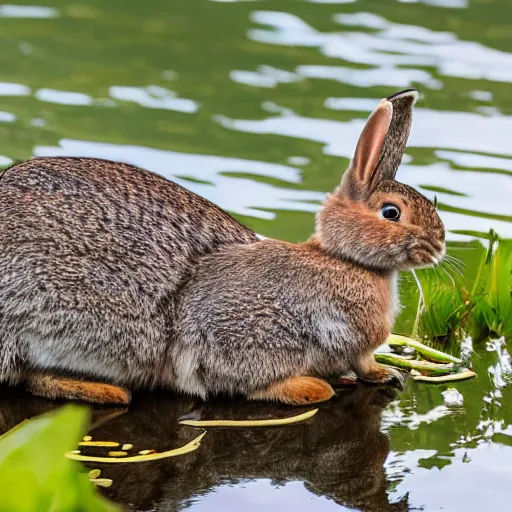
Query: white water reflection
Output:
(64,97)
(397,414)
(390,45)
(7,117)
(263,494)
(9,89)
(27,11)
(266,76)
(154,96)
(393,77)
(5,161)
(501,372)
(151,96)
(459,4)
(475,161)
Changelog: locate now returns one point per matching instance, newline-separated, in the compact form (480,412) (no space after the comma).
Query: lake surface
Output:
(257,105)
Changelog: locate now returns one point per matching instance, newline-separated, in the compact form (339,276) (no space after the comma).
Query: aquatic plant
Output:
(455,303)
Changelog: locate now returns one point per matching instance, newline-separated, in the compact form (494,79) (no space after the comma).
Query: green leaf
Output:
(36,473)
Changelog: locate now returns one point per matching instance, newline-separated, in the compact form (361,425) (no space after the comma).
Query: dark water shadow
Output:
(338,454)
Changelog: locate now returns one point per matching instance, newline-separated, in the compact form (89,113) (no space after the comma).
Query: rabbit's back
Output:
(92,253)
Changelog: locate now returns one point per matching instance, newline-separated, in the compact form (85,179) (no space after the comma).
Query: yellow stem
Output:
(250,423)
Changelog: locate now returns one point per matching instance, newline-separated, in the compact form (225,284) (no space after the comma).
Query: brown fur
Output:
(50,386)
(296,391)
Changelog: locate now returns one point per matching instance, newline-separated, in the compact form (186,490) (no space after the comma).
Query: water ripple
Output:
(392,45)
(153,96)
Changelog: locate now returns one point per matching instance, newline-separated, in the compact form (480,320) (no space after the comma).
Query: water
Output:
(257,105)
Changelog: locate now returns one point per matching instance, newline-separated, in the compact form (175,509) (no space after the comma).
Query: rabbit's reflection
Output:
(339,453)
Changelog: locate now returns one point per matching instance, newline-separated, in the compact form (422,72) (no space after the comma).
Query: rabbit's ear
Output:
(380,147)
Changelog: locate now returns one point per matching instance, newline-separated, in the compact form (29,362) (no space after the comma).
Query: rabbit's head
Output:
(372,219)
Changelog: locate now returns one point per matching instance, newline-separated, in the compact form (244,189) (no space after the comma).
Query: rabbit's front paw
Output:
(378,374)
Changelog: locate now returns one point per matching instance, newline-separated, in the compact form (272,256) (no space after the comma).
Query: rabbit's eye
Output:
(390,212)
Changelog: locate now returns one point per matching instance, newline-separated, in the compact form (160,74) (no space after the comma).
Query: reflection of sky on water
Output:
(257,495)
(27,11)
(154,96)
(467,470)
(389,46)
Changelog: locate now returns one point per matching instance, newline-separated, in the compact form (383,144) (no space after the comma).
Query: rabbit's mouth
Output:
(427,254)
(438,258)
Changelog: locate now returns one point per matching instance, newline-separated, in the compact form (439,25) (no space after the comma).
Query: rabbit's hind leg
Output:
(53,387)
(296,391)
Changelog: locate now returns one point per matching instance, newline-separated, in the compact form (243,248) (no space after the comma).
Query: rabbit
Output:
(277,321)
(96,286)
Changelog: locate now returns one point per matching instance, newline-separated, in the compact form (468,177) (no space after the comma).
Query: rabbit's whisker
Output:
(457,270)
(450,265)
(421,303)
(456,261)
(446,273)
(454,273)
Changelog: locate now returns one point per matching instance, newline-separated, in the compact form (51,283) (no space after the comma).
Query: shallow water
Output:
(257,105)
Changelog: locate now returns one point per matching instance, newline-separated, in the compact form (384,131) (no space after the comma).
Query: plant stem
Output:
(413,364)
(467,374)
(395,340)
